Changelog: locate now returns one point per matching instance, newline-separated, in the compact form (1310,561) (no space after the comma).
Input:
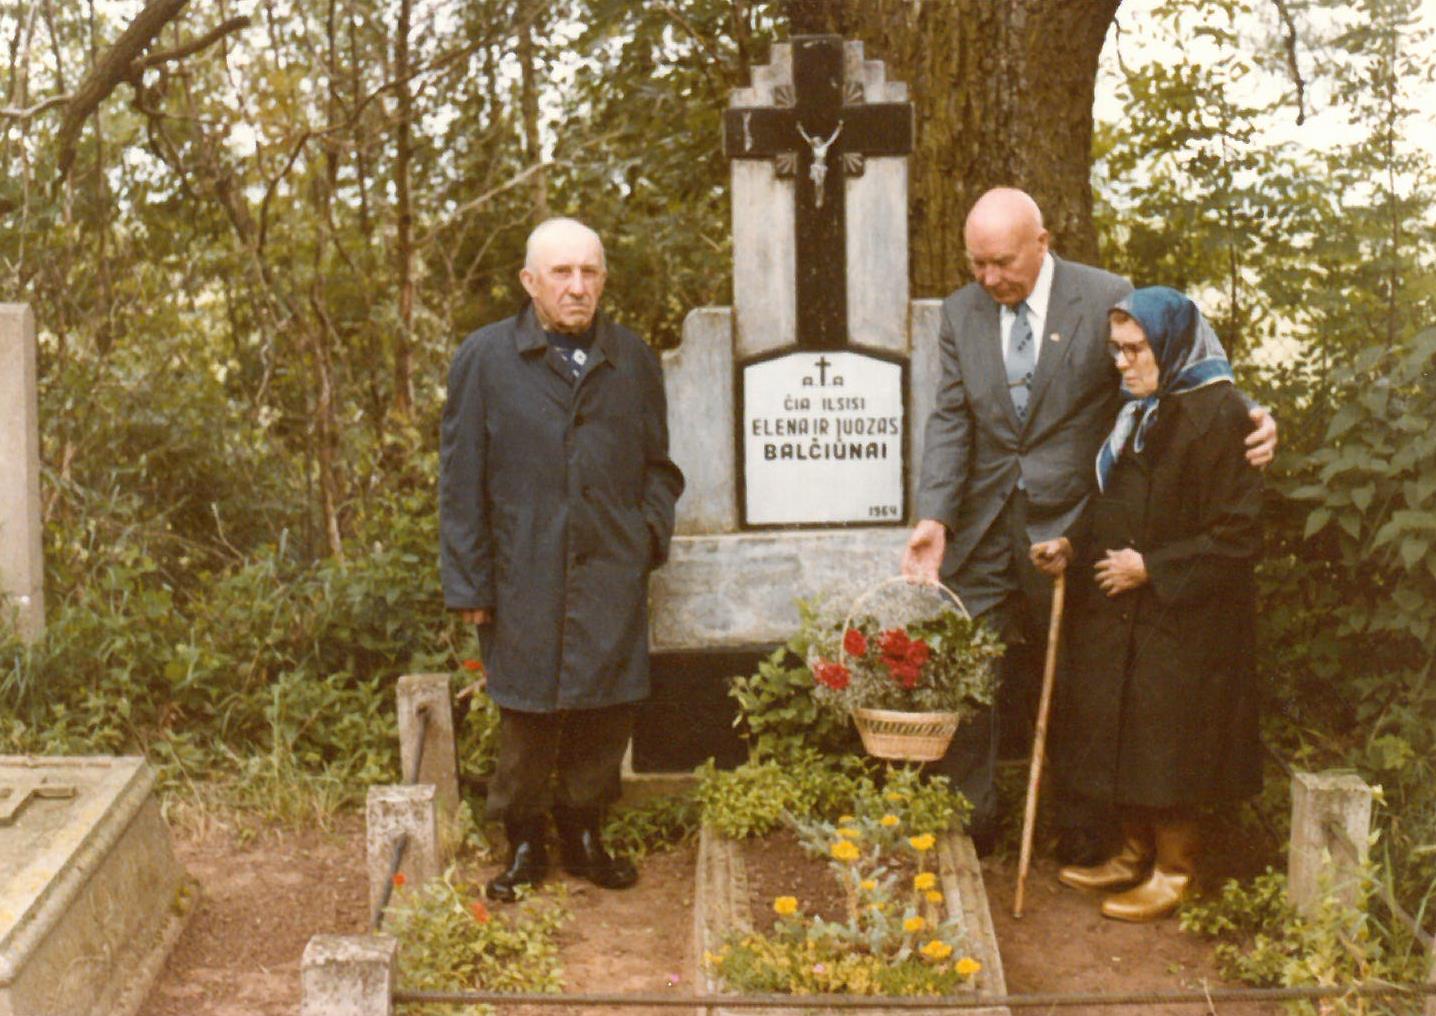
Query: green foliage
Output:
(778,714)
(1262,940)
(451,940)
(666,820)
(753,799)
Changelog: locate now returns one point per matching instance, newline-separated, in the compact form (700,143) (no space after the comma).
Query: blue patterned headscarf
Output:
(1189,356)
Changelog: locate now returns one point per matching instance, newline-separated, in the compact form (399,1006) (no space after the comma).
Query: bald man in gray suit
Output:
(1027,394)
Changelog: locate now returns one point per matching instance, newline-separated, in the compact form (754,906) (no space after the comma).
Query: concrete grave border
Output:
(722,904)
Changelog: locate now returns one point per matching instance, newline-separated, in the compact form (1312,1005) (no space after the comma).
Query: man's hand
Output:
(1120,571)
(1051,557)
(923,556)
(476,616)
(1261,443)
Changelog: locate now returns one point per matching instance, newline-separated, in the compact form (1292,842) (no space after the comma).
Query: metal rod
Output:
(923,1003)
(423,713)
(376,919)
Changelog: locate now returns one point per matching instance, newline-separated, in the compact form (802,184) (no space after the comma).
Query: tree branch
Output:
(194,46)
(22,115)
(1290,24)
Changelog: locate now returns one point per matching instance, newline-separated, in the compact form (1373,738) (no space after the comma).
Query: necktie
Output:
(1021,359)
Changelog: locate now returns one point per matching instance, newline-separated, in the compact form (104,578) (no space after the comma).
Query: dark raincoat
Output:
(1157,703)
(555,501)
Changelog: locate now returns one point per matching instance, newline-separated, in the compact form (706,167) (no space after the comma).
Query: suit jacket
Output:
(555,500)
(975,448)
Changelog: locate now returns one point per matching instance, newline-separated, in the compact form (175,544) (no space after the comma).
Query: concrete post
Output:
(348,975)
(429,694)
(392,812)
(1320,864)
(22,569)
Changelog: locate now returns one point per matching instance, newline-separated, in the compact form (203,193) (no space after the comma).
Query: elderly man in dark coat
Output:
(556,498)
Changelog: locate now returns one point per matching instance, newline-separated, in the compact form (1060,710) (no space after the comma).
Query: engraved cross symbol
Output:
(19,793)
(823,364)
(818,131)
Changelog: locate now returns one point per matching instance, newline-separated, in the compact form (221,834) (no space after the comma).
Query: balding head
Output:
(564,272)
(1006,243)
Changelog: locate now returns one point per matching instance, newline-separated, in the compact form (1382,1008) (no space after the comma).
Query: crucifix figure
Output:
(819,125)
(818,171)
(15,797)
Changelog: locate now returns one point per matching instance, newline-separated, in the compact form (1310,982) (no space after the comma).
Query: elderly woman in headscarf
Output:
(1157,706)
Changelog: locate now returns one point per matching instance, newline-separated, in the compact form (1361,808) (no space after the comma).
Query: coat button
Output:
(588,493)
(580,560)
(578,419)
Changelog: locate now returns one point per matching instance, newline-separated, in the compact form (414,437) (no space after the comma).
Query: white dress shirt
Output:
(1036,311)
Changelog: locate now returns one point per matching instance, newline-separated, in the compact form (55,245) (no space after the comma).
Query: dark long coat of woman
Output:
(557,499)
(1158,704)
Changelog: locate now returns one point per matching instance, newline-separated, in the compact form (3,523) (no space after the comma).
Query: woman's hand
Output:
(1120,571)
(1051,557)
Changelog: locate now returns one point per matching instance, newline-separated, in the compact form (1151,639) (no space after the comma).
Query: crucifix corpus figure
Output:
(818,171)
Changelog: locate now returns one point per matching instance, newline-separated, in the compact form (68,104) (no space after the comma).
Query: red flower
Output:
(480,912)
(918,652)
(905,674)
(854,644)
(473,665)
(399,879)
(833,675)
(894,645)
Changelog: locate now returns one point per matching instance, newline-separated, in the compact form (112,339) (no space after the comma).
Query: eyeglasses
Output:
(1131,350)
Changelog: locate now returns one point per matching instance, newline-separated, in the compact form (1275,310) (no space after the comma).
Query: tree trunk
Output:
(1003,91)
(404,208)
(529,103)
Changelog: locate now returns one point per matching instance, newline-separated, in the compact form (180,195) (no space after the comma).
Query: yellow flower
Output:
(846,820)
(967,967)
(893,795)
(868,885)
(844,850)
(877,908)
(939,950)
(933,896)
(849,833)
(785,906)
(922,843)
(888,820)
(924,881)
(913,925)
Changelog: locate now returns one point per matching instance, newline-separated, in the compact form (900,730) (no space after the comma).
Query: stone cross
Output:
(18,794)
(22,575)
(819,132)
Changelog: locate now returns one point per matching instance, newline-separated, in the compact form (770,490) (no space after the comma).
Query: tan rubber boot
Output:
(1172,877)
(1125,868)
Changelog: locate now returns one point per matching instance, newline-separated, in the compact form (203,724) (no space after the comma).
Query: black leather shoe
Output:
(528,862)
(581,847)
(984,841)
(1080,846)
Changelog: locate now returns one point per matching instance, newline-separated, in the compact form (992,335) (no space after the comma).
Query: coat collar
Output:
(529,337)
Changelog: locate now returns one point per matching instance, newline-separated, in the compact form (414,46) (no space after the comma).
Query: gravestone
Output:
(91,896)
(22,592)
(797,414)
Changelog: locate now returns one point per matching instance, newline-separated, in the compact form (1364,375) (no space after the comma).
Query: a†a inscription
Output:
(15,796)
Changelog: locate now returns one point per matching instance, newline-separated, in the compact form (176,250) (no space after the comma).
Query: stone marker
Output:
(91,897)
(348,975)
(796,415)
(395,811)
(22,570)
(429,694)
(1319,865)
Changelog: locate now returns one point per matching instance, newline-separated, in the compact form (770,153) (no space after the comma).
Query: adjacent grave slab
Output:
(722,905)
(91,896)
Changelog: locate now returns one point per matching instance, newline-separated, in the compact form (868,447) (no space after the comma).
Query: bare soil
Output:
(264,895)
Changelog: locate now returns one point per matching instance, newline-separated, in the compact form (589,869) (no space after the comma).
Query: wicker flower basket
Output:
(898,734)
(912,737)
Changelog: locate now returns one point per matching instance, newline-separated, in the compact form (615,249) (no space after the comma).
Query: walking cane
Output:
(1039,741)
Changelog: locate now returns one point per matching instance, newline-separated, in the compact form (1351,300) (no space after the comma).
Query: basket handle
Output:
(876,587)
